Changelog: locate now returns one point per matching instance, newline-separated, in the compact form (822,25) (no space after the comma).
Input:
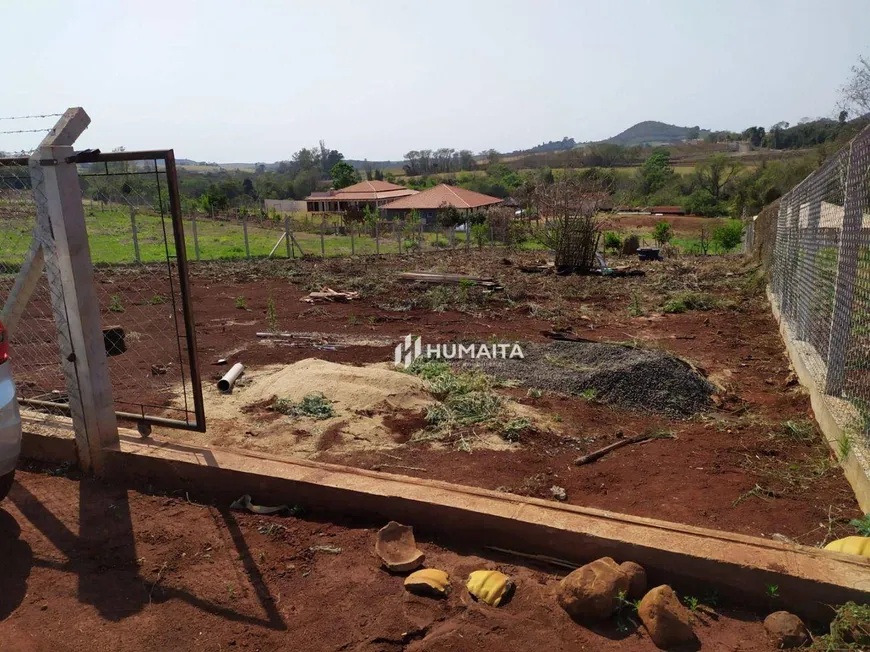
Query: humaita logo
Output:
(411,348)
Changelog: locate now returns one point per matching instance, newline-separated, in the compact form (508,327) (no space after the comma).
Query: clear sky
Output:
(254,80)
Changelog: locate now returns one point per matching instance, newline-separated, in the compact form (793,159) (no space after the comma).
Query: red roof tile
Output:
(365,191)
(443,194)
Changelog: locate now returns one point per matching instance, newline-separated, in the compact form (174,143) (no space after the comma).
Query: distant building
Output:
(428,202)
(373,194)
(667,210)
(285,205)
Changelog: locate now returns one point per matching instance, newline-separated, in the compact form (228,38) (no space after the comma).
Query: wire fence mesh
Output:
(820,278)
(33,308)
(139,286)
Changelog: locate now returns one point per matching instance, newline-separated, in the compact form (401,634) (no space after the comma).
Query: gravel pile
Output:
(642,379)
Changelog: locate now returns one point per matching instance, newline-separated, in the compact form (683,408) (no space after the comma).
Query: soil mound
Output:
(642,379)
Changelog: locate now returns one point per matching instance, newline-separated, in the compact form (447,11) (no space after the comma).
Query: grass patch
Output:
(686,301)
(511,430)
(850,629)
(801,431)
(314,405)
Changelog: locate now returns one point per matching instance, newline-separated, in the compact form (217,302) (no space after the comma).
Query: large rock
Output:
(636,579)
(590,592)
(667,621)
(786,629)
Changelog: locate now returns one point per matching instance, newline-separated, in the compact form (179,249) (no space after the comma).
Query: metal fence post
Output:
(135,234)
(74,297)
(847,268)
(245,231)
(195,235)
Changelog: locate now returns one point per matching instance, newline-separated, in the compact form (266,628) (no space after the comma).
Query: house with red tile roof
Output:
(428,202)
(373,194)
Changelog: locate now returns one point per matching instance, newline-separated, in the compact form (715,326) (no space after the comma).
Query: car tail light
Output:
(4,344)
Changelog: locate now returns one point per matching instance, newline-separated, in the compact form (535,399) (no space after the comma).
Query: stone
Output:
(397,548)
(636,579)
(590,592)
(667,621)
(559,493)
(786,629)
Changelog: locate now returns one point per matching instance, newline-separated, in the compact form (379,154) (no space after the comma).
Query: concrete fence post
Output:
(322,241)
(287,239)
(195,236)
(847,269)
(61,218)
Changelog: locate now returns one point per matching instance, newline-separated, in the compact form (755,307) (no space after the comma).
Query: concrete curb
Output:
(738,567)
(856,465)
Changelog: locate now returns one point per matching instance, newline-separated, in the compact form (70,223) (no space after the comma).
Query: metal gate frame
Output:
(168,157)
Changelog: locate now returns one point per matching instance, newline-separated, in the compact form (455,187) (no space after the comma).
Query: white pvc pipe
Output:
(226,383)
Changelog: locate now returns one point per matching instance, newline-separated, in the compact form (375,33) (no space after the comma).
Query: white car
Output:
(10,420)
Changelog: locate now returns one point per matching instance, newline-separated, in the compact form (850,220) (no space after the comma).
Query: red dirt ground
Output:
(703,477)
(92,566)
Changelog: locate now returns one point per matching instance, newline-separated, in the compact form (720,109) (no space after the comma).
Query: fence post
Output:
(73,291)
(847,267)
(287,239)
(378,237)
(135,233)
(399,235)
(352,248)
(322,243)
(422,235)
(195,236)
(491,238)
(245,231)
(467,235)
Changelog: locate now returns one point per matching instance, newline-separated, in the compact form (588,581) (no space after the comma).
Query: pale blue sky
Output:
(230,81)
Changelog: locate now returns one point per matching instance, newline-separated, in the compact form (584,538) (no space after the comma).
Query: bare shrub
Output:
(569,220)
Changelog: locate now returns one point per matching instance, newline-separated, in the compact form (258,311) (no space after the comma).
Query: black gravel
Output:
(640,379)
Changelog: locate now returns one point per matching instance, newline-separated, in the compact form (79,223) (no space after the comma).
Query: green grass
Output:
(314,405)
(111,239)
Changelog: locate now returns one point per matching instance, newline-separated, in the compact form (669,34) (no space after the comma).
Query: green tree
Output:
(655,172)
(728,236)
(662,233)
(343,175)
(701,202)
(248,187)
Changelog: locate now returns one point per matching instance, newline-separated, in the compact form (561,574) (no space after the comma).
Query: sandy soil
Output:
(89,566)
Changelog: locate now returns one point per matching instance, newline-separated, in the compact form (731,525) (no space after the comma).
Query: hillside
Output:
(652,132)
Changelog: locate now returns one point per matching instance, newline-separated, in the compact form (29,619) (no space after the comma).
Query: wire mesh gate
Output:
(138,251)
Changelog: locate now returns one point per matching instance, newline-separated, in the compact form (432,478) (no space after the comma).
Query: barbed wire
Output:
(28,117)
(25,131)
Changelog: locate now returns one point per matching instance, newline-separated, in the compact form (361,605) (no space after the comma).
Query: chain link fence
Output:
(820,278)
(132,239)
(31,295)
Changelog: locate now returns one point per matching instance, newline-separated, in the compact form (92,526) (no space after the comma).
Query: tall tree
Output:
(714,174)
(343,175)
(656,172)
(855,95)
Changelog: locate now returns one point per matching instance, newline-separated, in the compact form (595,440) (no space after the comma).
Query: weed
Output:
(115,304)
(758,491)
(512,429)
(271,529)
(850,629)
(626,610)
(534,393)
(861,525)
(557,418)
(314,405)
(685,301)
(272,315)
(241,303)
(802,431)
(691,602)
(635,309)
(438,299)
(231,590)
(589,394)
(844,446)
(353,320)
(772,591)
(156,300)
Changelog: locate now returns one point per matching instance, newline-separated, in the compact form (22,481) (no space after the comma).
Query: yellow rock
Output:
(851,546)
(488,586)
(428,581)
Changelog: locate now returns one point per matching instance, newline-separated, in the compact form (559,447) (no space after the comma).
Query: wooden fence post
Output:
(322,242)
(135,234)
(245,231)
(195,236)
(378,237)
(287,238)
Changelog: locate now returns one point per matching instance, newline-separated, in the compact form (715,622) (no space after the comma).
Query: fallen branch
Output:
(437,277)
(328,294)
(542,558)
(601,452)
(378,467)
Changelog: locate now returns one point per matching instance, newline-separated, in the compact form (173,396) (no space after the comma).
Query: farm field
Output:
(180,575)
(735,446)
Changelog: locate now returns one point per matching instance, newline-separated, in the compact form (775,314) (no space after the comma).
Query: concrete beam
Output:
(739,567)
